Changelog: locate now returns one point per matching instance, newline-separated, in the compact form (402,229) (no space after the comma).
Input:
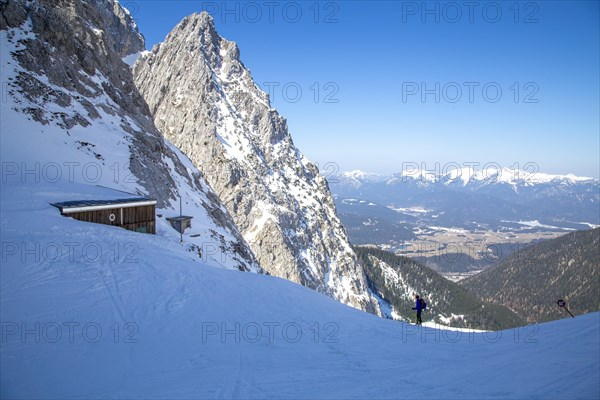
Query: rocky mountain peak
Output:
(205,101)
(221,55)
(197,34)
(199,22)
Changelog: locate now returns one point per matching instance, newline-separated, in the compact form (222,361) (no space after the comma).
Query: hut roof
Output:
(67,207)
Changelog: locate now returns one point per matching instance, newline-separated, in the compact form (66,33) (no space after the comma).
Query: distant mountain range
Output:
(502,199)
(465,176)
(532,280)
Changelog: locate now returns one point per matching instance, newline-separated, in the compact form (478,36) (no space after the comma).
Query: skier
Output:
(419,307)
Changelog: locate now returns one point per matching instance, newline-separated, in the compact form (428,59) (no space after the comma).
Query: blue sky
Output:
(386,83)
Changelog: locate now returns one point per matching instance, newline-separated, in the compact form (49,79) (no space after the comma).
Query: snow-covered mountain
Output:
(357,177)
(71,114)
(467,176)
(464,197)
(204,101)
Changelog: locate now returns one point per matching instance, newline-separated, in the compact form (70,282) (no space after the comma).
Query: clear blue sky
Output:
(418,82)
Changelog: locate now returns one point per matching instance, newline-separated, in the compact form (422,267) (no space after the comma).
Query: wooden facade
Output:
(138,215)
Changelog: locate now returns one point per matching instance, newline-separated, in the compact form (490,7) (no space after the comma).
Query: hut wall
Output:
(137,219)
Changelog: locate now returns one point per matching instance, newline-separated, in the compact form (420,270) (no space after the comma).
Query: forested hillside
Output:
(397,279)
(532,280)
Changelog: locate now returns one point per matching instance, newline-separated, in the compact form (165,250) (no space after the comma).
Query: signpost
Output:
(180,215)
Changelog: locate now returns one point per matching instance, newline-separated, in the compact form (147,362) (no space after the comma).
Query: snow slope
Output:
(61,122)
(142,319)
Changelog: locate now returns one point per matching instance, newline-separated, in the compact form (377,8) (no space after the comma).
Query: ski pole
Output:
(563,304)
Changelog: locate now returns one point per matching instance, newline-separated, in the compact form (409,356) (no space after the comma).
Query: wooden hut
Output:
(136,214)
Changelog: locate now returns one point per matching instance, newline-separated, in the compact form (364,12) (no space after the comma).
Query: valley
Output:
(462,227)
(459,253)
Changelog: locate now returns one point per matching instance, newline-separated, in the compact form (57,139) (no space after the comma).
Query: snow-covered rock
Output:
(71,113)
(205,102)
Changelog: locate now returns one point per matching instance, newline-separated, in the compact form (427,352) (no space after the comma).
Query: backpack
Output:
(423,304)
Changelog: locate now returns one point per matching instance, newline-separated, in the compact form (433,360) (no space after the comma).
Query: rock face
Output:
(70,98)
(205,102)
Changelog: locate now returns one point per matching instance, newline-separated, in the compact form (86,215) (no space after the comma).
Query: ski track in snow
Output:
(171,302)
